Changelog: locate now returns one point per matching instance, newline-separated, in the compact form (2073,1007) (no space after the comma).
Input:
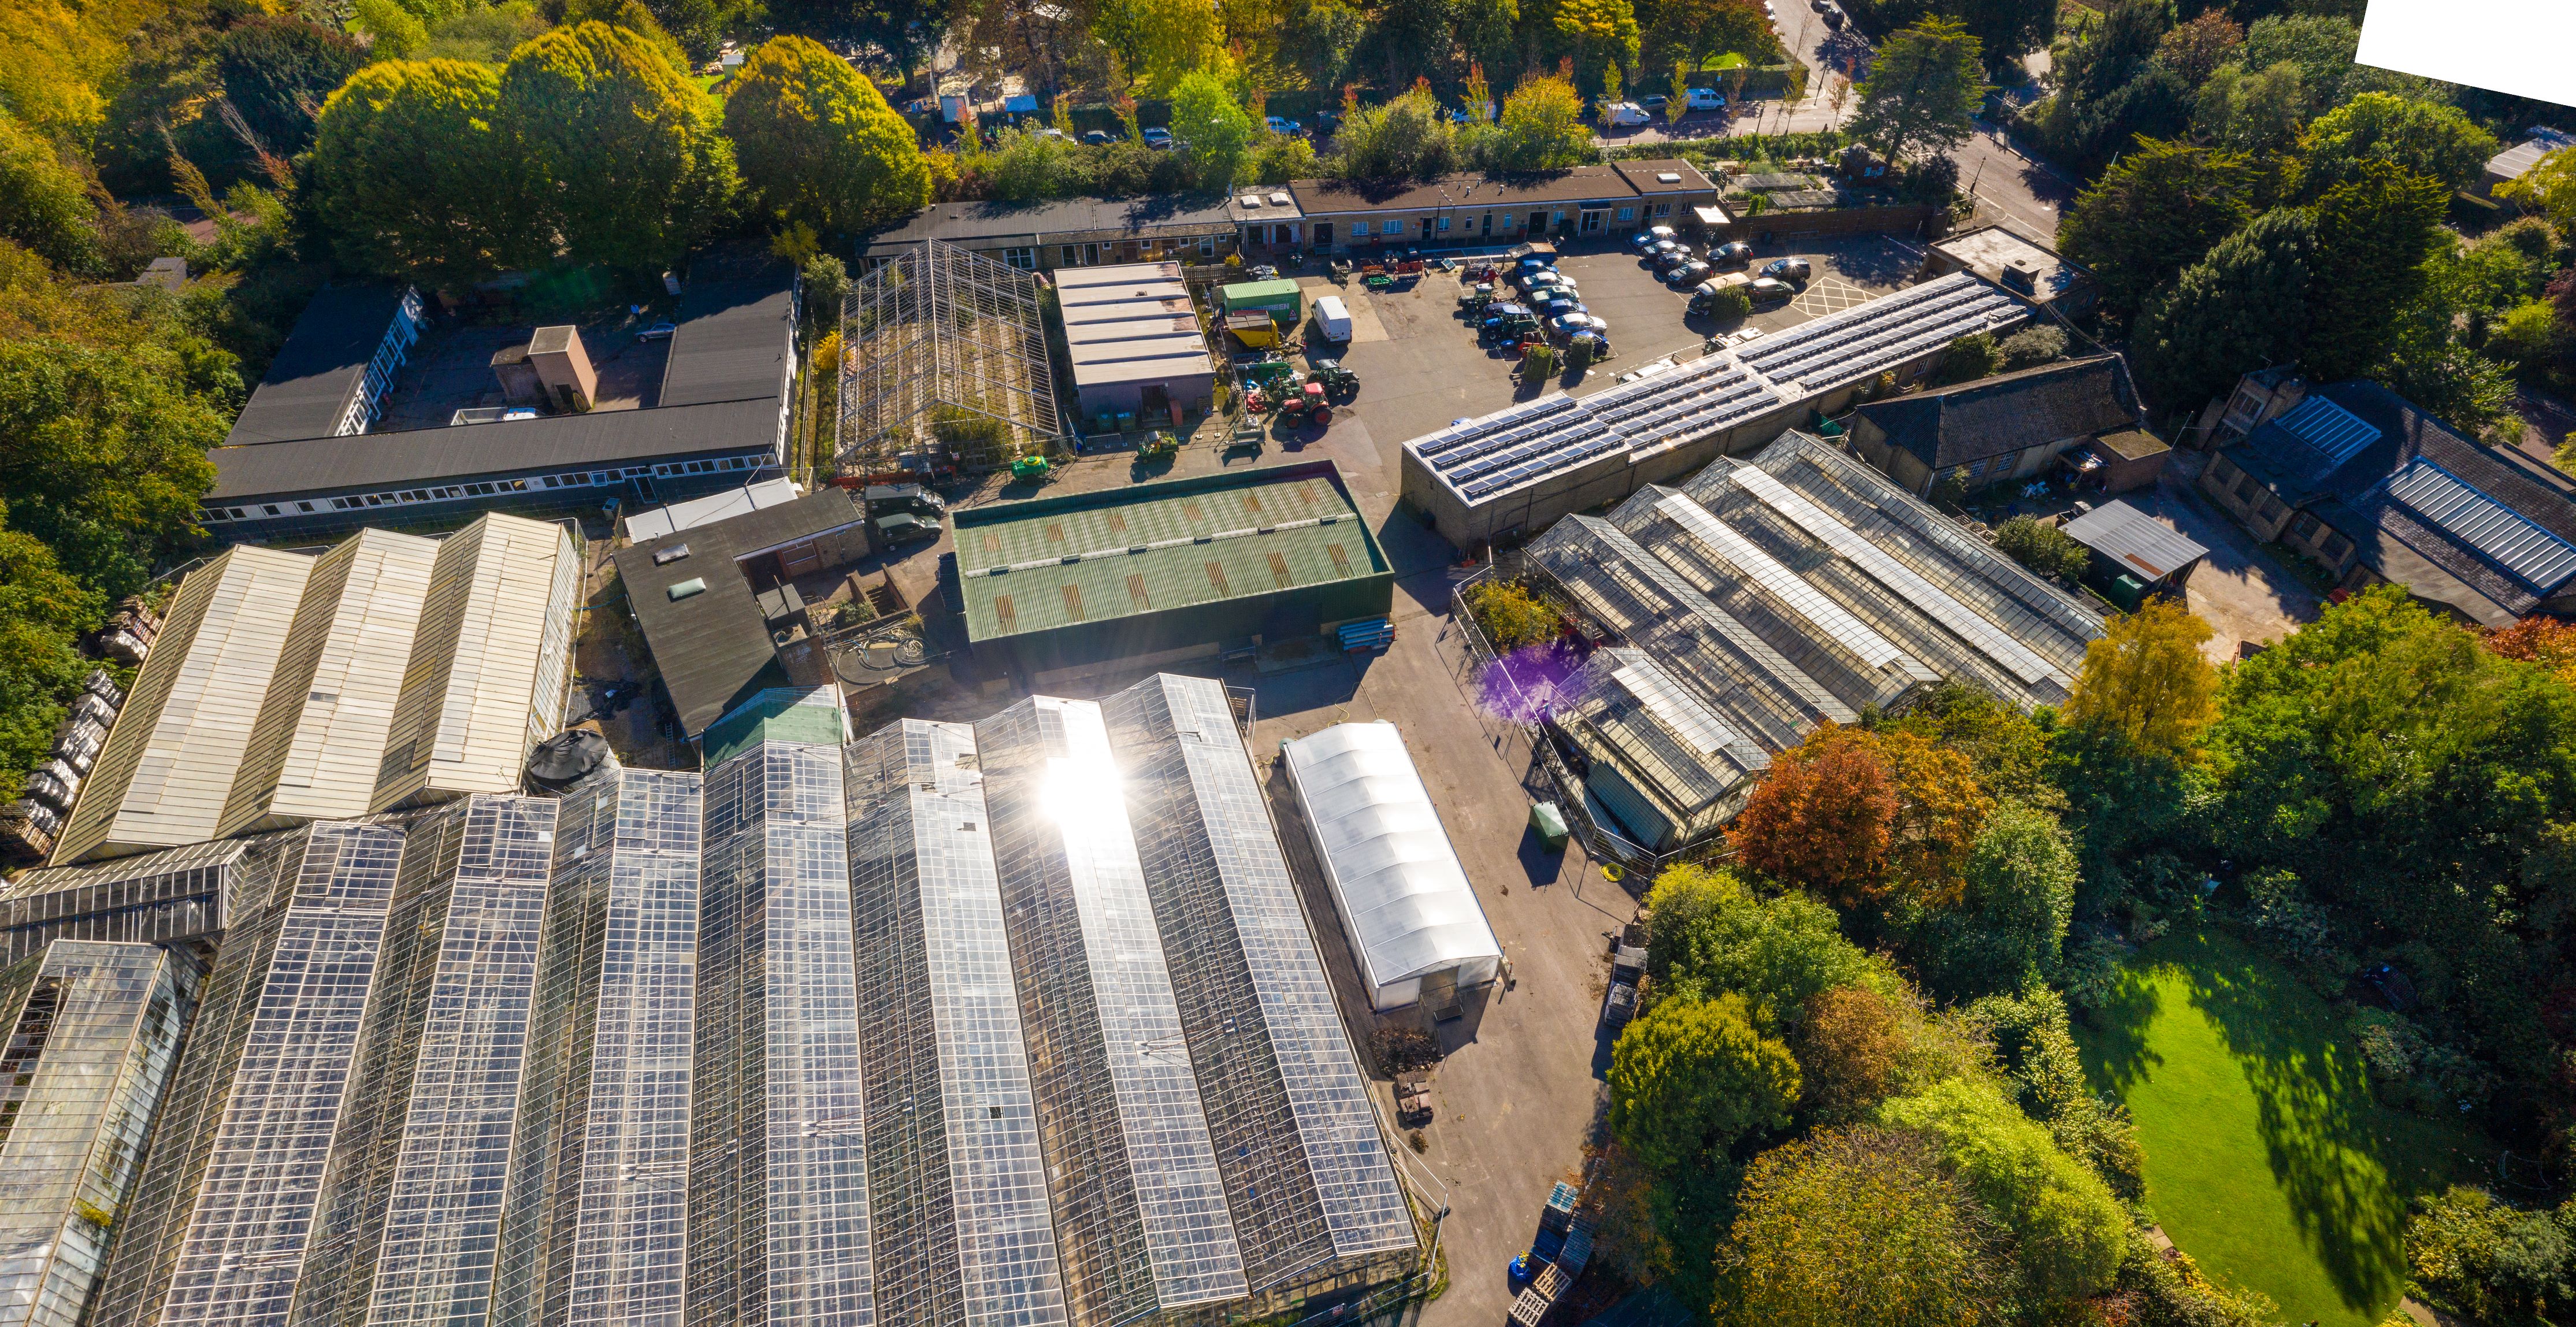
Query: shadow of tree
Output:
(2115,1035)
(2320,1127)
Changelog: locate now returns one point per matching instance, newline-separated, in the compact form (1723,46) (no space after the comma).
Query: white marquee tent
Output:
(1404,899)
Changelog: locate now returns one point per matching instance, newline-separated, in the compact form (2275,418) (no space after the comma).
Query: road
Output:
(2019,190)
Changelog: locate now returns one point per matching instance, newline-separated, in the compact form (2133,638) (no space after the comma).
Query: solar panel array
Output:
(2500,534)
(1484,456)
(2328,429)
(1846,347)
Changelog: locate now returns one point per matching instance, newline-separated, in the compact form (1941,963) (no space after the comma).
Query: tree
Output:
(1939,808)
(1858,1225)
(1603,33)
(2195,50)
(394,33)
(44,204)
(1542,126)
(103,452)
(2156,211)
(2374,232)
(1215,132)
(1688,33)
(2006,29)
(2320,45)
(2147,680)
(701,25)
(408,179)
(1966,359)
(2433,141)
(42,615)
(908,31)
(632,172)
(2549,188)
(2044,549)
(277,70)
(2486,1261)
(1408,136)
(1693,1076)
(1712,937)
(2256,114)
(2010,923)
(1160,41)
(817,142)
(1319,38)
(2068,1231)
(2428,364)
(2242,308)
(1822,817)
(1922,92)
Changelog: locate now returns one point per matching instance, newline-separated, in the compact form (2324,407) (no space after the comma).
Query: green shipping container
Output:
(1282,300)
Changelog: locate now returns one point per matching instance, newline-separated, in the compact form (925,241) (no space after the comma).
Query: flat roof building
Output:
(1135,343)
(1517,470)
(1064,586)
(719,418)
(339,360)
(1068,232)
(2017,263)
(1468,209)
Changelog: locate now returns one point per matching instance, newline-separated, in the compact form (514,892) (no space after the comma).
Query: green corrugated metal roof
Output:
(780,714)
(1249,294)
(1252,536)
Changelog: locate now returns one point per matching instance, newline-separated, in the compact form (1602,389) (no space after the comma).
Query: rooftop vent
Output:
(1668,177)
(2021,274)
(1252,200)
(670,555)
(1279,199)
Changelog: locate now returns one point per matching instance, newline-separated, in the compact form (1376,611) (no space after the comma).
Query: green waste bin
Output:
(1550,825)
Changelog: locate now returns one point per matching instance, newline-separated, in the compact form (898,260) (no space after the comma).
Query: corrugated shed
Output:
(179,742)
(320,741)
(2135,540)
(488,665)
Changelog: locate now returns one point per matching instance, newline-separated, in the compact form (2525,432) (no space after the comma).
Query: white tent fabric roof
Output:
(1402,892)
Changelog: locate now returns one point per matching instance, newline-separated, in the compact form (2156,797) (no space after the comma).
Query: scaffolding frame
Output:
(944,358)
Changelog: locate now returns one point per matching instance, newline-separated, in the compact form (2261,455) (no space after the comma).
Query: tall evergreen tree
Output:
(2161,208)
(2374,232)
(2241,308)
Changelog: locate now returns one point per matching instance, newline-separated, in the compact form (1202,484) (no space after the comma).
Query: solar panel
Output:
(1775,579)
(1935,602)
(2328,429)
(2500,534)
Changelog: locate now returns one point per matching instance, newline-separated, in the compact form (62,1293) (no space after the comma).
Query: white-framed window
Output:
(1627,214)
(1444,223)
(1024,258)
(1359,228)
(1069,256)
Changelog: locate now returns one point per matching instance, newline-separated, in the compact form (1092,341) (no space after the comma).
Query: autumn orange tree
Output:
(2147,680)
(1824,817)
(2539,640)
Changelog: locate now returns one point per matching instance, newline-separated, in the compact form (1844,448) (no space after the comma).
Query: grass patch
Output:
(2267,1159)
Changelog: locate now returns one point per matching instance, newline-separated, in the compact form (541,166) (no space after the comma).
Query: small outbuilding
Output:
(1406,905)
(2127,542)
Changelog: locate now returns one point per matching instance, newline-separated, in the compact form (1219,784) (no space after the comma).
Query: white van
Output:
(1628,114)
(1333,319)
(1706,99)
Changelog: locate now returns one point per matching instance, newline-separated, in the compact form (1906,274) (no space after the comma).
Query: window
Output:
(2220,470)
(550,482)
(603,476)
(1024,258)
(339,504)
(1663,209)
(2271,508)
(1444,223)
(2334,546)
(2247,402)
(1207,246)
(304,506)
(1359,228)
(270,510)
(2305,527)
(1627,214)
(1070,256)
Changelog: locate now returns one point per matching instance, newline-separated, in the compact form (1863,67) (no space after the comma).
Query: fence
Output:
(1604,843)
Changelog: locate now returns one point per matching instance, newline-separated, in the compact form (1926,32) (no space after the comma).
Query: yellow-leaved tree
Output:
(2147,680)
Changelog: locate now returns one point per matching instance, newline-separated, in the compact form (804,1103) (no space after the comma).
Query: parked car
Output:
(1735,253)
(1507,320)
(1570,323)
(1707,99)
(1558,308)
(1333,319)
(1159,139)
(1654,102)
(1706,294)
(1543,276)
(1668,259)
(1282,125)
(1628,115)
(1788,269)
(1645,239)
(1690,273)
(1833,18)
(1096,138)
(905,528)
(660,331)
(1770,291)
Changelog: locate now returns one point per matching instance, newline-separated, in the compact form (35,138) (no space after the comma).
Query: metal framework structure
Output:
(962,1232)
(944,355)
(91,1031)
(778,1177)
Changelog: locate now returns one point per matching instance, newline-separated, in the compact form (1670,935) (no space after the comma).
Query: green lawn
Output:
(2267,1160)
